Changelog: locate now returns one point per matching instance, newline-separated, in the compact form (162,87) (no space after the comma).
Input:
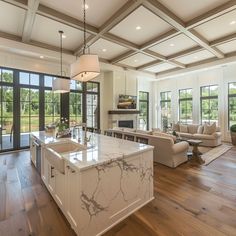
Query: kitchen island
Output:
(96,184)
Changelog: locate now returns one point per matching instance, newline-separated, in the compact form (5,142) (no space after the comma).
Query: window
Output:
(6,109)
(52,102)
(92,104)
(165,109)
(144,110)
(232,104)
(29,105)
(209,104)
(76,102)
(186,106)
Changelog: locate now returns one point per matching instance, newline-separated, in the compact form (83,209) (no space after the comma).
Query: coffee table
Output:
(196,154)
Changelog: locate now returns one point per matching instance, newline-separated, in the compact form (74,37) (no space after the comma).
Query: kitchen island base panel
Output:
(96,194)
(113,192)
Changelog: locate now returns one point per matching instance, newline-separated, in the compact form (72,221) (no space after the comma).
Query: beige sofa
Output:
(166,151)
(196,132)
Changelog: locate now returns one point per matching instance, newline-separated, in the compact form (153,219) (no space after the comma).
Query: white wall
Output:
(220,76)
(31,64)
(118,82)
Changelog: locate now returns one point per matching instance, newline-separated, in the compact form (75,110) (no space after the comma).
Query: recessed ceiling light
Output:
(196,57)
(104,49)
(135,60)
(63,36)
(86,6)
(172,45)
(232,22)
(41,57)
(138,27)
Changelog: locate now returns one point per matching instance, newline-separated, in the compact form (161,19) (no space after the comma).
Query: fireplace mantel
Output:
(123,111)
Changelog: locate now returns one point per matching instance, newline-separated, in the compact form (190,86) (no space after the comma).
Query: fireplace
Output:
(126,123)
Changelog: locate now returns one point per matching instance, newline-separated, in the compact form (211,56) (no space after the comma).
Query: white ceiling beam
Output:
(223,40)
(216,12)
(16,38)
(122,42)
(173,20)
(116,18)
(18,3)
(209,63)
(154,55)
(122,57)
(176,63)
(170,34)
(64,19)
(185,52)
(150,64)
(29,20)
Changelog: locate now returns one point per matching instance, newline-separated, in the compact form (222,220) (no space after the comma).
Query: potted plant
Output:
(233,134)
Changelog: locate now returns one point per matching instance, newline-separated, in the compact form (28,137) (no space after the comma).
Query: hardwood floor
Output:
(190,200)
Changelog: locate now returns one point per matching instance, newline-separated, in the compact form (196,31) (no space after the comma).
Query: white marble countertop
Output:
(101,149)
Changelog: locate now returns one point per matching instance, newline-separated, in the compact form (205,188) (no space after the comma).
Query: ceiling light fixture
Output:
(63,36)
(85,6)
(138,27)
(60,85)
(104,50)
(41,57)
(232,22)
(135,60)
(87,66)
(172,45)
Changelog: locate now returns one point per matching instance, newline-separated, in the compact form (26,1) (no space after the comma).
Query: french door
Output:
(28,104)
(19,108)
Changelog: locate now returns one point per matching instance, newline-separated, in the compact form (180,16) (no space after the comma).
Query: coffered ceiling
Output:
(157,36)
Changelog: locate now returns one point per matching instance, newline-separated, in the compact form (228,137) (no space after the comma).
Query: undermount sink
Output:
(66,146)
(53,153)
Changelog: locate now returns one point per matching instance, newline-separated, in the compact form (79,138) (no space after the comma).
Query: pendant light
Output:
(60,85)
(87,66)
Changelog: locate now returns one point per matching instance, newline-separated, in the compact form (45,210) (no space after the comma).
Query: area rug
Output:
(214,153)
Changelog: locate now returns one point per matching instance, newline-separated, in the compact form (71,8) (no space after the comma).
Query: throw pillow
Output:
(200,129)
(192,129)
(175,127)
(183,128)
(209,129)
(156,130)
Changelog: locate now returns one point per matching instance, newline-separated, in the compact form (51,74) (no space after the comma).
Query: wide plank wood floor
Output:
(190,200)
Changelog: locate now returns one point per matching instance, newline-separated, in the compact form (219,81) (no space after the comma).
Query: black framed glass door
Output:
(6,110)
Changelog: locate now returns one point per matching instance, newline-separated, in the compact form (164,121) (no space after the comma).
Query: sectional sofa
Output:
(194,131)
(166,151)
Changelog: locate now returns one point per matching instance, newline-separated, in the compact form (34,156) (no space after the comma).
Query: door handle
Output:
(52,175)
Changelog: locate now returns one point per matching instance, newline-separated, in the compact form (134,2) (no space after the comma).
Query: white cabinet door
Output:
(72,196)
(51,179)
(32,151)
(44,168)
(60,189)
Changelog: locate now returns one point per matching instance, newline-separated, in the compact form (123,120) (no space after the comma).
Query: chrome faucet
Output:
(84,126)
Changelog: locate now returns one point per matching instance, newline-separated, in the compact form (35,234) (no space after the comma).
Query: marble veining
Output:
(138,171)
